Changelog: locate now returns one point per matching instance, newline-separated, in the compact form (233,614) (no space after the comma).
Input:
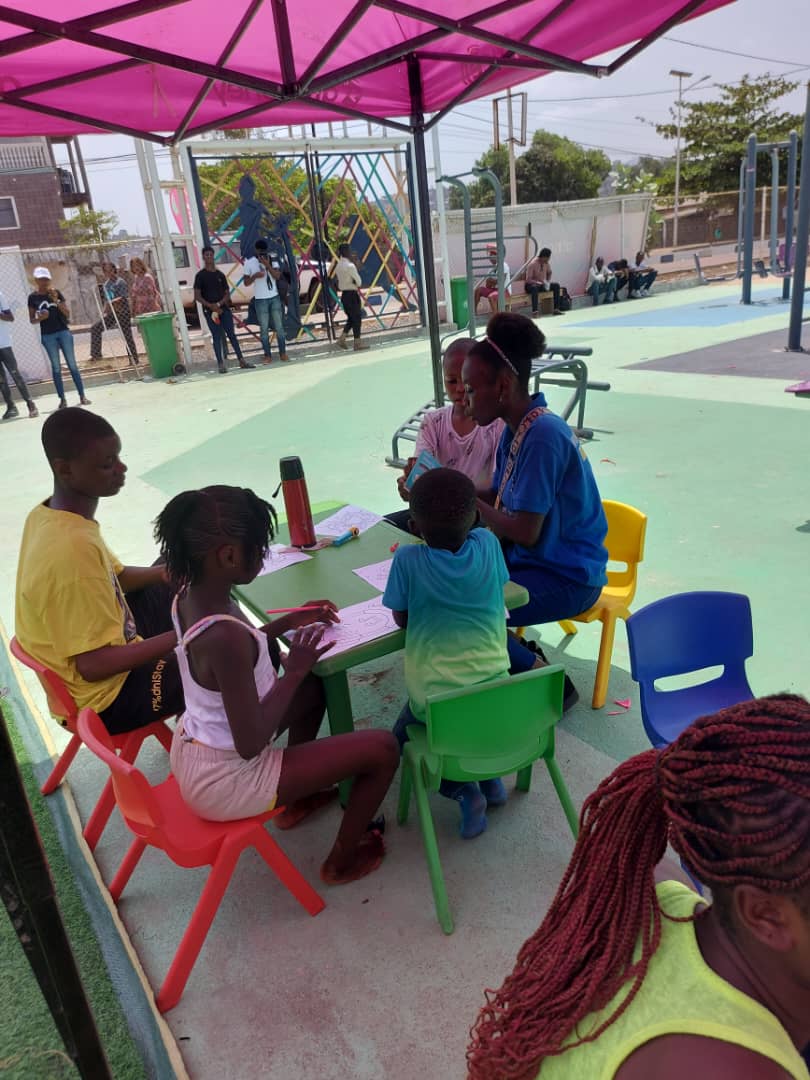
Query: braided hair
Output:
(732,796)
(194,522)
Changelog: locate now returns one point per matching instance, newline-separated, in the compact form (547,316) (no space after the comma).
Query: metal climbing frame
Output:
(307,198)
(746,264)
(479,236)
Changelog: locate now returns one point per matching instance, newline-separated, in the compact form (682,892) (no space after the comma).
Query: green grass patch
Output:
(30,1045)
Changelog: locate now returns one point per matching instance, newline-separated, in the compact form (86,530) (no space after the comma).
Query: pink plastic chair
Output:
(160,818)
(62,706)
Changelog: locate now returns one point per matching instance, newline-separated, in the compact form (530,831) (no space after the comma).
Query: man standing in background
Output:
(8,364)
(263,273)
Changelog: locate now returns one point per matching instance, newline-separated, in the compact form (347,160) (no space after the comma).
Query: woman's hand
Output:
(305,651)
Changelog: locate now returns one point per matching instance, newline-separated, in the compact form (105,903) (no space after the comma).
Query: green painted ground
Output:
(715,462)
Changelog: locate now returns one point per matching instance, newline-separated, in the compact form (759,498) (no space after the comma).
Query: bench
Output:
(559,366)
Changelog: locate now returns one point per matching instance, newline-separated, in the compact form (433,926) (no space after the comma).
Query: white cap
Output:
(42,272)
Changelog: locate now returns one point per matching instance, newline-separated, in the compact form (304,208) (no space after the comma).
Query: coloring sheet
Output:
(349,517)
(360,624)
(280,556)
(376,574)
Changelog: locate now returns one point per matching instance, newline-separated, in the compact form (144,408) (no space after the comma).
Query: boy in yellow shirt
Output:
(103,627)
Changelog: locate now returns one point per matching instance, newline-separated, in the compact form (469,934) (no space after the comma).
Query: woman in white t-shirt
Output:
(451,436)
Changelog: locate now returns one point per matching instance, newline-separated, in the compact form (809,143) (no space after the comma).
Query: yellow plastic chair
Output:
(627,527)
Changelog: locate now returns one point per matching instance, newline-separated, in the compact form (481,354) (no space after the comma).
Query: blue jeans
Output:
(219,330)
(551,599)
(52,343)
(270,309)
(606,289)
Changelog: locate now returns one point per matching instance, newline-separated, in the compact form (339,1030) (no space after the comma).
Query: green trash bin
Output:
(458,301)
(157,331)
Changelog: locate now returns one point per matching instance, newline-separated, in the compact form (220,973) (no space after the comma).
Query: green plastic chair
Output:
(479,733)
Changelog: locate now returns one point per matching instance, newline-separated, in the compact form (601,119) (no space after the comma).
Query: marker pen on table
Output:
(344,538)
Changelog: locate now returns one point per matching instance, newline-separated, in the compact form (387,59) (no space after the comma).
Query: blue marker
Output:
(351,534)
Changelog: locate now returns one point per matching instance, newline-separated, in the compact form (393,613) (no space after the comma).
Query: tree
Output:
(90,226)
(646,174)
(556,169)
(481,193)
(714,134)
(553,169)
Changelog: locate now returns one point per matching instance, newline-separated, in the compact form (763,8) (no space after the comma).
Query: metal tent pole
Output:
(159,222)
(425,224)
(790,205)
(748,217)
(802,231)
(443,248)
(740,216)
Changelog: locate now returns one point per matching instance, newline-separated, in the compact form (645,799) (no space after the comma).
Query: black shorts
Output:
(153,690)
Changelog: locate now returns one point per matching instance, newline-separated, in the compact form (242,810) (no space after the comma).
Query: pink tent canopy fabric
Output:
(165,69)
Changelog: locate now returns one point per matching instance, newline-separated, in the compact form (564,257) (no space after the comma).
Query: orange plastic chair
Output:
(627,528)
(63,707)
(160,818)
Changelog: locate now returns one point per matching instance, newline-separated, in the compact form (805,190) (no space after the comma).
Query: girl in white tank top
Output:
(224,754)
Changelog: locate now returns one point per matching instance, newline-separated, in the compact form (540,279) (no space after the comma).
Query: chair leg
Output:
(63,763)
(405,787)
(600,686)
(562,794)
(524,779)
(289,875)
(197,930)
(163,734)
(97,821)
(568,627)
(432,852)
(124,872)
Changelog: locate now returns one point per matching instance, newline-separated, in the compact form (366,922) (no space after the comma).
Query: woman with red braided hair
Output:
(628,981)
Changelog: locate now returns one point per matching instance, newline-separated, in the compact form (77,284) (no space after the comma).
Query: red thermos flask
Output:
(296,502)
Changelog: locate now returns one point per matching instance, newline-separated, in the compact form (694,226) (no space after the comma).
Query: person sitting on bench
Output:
(489,288)
(538,279)
(642,277)
(601,283)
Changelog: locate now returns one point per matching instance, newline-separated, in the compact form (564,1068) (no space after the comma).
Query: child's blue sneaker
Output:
(493,791)
(473,811)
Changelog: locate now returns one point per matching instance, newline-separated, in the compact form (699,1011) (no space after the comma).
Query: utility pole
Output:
(511,138)
(680,76)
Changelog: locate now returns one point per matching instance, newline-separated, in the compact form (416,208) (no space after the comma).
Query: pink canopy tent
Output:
(168,69)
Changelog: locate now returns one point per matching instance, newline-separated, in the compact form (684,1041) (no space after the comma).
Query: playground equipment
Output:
(746,264)
(480,236)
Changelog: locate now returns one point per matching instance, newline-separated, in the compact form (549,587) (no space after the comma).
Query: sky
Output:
(774,37)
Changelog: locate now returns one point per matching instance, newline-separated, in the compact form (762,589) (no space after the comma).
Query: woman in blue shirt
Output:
(543,504)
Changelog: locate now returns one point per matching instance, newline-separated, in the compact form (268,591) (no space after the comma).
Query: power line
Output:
(731,52)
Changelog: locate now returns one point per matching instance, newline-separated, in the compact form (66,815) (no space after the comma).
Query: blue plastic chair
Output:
(682,634)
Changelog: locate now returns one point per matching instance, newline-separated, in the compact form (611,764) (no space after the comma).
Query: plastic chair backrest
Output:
(688,632)
(133,793)
(511,717)
(627,528)
(60,699)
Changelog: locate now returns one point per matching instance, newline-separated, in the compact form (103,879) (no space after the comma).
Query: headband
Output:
(502,355)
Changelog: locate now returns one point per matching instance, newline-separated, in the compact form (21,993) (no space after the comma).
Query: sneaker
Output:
(268,359)
(473,811)
(83,401)
(11,412)
(62,403)
(644,292)
(342,342)
(283,357)
(359,345)
(222,369)
(494,791)
(246,365)
(33,410)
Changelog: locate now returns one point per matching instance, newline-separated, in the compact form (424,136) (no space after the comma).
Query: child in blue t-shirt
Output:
(449,594)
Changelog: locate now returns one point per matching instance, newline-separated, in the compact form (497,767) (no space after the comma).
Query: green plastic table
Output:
(328,576)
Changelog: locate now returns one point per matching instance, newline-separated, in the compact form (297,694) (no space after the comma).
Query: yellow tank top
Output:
(680,995)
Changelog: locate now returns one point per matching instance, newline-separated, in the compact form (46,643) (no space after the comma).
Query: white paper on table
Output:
(359,624)
(347,518)
(376,574)
(278,557)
